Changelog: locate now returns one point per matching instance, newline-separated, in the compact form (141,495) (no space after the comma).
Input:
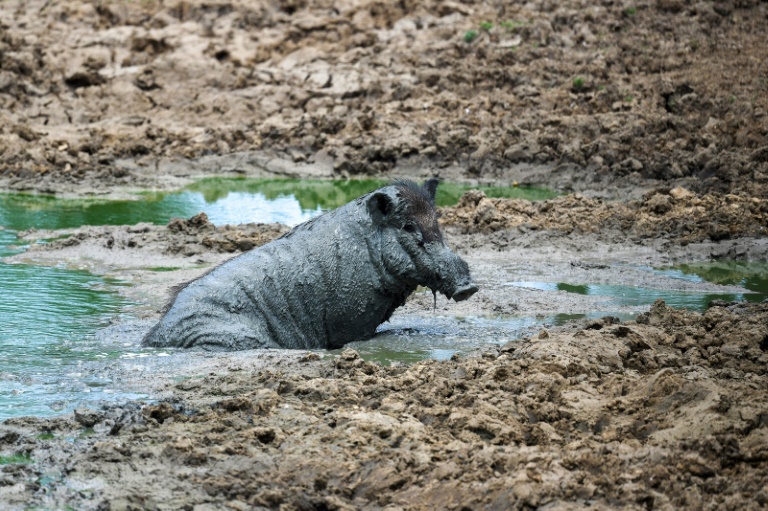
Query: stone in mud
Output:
(328,282)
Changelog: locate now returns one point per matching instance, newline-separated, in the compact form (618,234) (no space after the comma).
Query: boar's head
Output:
(411,244)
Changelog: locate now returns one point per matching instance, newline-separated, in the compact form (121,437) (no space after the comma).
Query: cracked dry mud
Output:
(655,112)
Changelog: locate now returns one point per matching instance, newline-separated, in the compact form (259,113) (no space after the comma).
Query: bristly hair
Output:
(430,186)
(420,206)
(415,191)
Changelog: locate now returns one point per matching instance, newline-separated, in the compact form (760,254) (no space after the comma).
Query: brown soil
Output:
(611,93)
(663,102)
(676,215)
(184,237)
(667,412)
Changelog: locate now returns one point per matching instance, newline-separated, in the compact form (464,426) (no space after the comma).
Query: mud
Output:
(665,413)
(184,238)
(656,113)
(677,216)
(98,95)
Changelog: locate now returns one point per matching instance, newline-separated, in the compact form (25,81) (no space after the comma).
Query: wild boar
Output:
(329,281)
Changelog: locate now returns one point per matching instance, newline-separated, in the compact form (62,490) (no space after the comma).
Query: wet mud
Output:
(666,413)
(654,113)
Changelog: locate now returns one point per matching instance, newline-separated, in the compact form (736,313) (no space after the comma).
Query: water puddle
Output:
(225,201)
(409,339)
(753,277)
(47,332)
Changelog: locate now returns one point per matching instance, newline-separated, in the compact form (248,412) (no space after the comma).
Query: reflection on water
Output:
(224,200)
(751,276)
(22,212)
(317,194)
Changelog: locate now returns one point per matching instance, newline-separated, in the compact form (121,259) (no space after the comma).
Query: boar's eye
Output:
(409,228)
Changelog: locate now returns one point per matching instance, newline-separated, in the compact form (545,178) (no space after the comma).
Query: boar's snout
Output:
(455,281)
(464,292)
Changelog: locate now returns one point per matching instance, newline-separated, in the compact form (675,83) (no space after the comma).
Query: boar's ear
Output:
(380,206)
(430,186)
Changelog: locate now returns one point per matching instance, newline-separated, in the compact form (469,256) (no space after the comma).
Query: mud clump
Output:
(668,410)
(188,234)
(676,214)
(186,237)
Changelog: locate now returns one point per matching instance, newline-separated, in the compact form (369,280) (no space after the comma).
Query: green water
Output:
(48,317)
(225,201)
(313,194)
(751,276)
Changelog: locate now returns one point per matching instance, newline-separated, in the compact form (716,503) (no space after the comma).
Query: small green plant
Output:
(629,98)
(15,458)
(86,432)
(630,11)
(694,45)
(578,83)
(510,25)
(470,35)
(486,25)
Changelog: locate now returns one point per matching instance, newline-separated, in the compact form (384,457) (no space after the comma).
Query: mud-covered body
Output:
(328,282)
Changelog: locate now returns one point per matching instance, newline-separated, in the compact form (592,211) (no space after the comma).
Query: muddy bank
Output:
(109,94)
(184,238)
(668,412)
(676,216)
(684,225)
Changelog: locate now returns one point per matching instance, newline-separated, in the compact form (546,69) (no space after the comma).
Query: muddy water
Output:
(638,296)
(49,317)
(55,353)
(407,339)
